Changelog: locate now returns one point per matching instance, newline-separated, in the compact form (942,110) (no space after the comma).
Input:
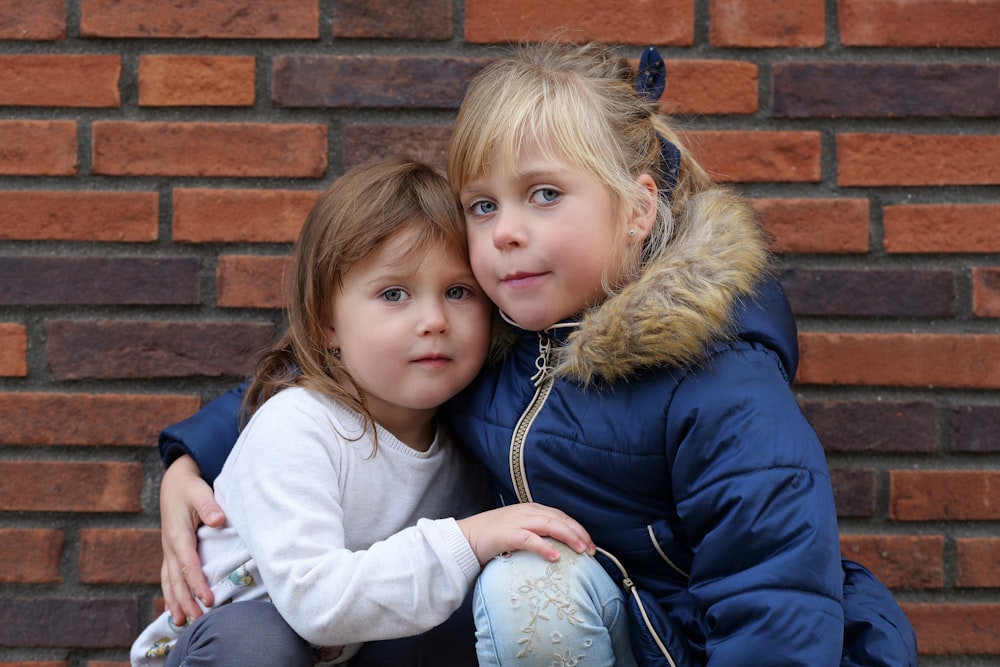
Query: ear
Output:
(644,216)
(332,341)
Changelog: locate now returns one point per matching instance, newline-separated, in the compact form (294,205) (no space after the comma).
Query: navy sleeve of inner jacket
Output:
(208,435)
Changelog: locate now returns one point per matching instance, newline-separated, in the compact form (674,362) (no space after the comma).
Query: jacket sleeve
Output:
(754,496)
(208,435)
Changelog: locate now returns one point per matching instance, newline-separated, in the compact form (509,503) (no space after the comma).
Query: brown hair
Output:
(353,217)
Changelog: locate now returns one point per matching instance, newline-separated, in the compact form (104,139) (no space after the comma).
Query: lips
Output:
(432,360)
(522,280)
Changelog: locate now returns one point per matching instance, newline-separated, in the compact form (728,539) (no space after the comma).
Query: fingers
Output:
(559,525)
(209,511)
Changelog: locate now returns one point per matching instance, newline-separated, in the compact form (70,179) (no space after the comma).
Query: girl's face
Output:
(543,237)
(412,332)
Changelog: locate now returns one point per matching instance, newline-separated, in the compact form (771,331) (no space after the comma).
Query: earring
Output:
(336,351)
(631,232)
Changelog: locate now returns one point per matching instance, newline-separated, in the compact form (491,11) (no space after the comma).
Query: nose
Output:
(508,231)
(433,319)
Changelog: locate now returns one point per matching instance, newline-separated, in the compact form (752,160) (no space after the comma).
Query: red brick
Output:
(899,561)
(35,664)
(986,291)
(205,215)
(41,215)
(758,156)
(710,87)
(219,19)
(977,563)
(955,23)
(774,23)
(956,228)
(60,80)
(89,419)
(58,486)
(38,148)
(108,349)
(120,556)
(900,359)
(250,281)
(917,159)
(828,226)
(427,143)
(388,19)
(196,81)
(64,622)
(13,350)
(667,22)
(126,148)
(30,556)
(945,628)
(38,20)
(944,495)
(107,663)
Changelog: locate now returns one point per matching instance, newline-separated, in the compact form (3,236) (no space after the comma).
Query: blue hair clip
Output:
(650,82)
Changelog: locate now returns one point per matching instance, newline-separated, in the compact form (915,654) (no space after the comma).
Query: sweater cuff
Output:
(460,547)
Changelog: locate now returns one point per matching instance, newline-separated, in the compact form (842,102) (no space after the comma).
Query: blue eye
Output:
(545,195)
(483,207)
(393,294)
(458,292)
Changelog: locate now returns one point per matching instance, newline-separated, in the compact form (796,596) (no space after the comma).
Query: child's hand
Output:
(522,527)
(186,500)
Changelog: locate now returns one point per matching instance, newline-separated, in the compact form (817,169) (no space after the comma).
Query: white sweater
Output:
(348,546)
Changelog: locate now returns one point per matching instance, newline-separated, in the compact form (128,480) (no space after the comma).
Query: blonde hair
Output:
(576,102)
(352,218)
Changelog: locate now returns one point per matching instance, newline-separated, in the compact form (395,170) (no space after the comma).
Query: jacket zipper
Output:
(543,386)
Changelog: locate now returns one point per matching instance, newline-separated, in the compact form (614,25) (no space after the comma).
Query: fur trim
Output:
(682,303)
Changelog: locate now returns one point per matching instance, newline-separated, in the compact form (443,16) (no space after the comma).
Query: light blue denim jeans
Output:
(530,612)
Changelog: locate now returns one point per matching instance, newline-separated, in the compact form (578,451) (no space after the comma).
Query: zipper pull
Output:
(542,361)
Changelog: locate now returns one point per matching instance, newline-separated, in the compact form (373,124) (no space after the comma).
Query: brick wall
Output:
(157,158)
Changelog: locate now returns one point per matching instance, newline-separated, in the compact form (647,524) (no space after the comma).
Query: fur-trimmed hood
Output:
(682,303)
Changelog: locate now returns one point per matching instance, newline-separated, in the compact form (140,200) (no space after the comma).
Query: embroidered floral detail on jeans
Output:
(548,600)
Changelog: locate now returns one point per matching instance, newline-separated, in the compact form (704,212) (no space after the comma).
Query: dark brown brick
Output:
(986,291)
(853,491)
(856,426)
(387,19)
(427,143)
(30,555)
(27,215)
(975,428)
(120,556)
(372,81)
(219,19)
(99,622)
(54,486)
(60,80)
(884,90)
(129,420)
(99,280)
(126,148)
(871,293)
(79,349)
(38,20)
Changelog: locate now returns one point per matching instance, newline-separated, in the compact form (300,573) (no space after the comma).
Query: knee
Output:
(249,633)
